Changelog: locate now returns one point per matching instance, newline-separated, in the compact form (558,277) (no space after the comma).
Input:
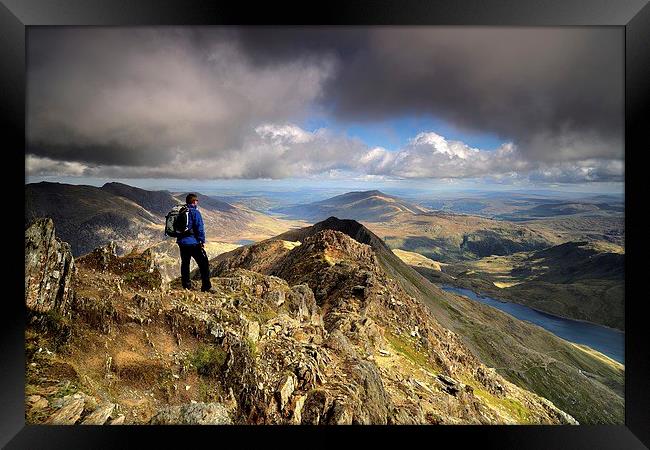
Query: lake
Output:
(606,340)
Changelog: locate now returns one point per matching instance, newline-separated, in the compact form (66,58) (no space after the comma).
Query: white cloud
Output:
(290,134)
(35,166)
(284,150)
(438,144)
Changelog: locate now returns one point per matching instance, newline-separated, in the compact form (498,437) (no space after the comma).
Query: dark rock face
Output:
(49,268)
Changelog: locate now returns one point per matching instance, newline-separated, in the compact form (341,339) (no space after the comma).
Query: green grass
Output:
(208,360)
(68,389)
(252,347)
(206,392)
(146,280)
(513,407)
(406,348)
(262,316)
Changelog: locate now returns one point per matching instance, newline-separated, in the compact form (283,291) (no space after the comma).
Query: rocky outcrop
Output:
(193,414)
(77,408)
(49,268)
(321,335)
(138,269)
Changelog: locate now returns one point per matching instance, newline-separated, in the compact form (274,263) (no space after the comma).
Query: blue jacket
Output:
(196,225)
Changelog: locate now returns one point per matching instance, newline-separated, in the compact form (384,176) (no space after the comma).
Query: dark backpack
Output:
(176,222)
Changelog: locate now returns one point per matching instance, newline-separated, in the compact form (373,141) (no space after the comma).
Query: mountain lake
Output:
(606,340)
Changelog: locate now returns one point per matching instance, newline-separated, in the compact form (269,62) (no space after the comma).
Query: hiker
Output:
(192,246)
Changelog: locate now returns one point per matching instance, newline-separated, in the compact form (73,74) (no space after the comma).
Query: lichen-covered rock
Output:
(303,304)
(100,415)
(137,269)
(374,404)
(119,420)
(101,258)
(286,388)
(36,402)
(315,406)
(49,268)
(69,412)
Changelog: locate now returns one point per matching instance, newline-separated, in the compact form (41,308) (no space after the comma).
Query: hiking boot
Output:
(210,290)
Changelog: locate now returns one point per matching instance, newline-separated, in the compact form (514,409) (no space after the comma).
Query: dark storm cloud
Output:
(222,102)
(274,45)
(556,92)
(152,96)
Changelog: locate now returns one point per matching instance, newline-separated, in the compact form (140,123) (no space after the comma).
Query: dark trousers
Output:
(201,258)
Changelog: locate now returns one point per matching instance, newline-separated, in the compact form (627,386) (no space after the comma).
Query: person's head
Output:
(192,199)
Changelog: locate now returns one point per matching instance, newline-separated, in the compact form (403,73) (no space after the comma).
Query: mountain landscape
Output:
(546,263)
(523,206)
(371,206)
(87,217)
(335,341)
(579,280)
(404,225)
(343,321)
(537,359)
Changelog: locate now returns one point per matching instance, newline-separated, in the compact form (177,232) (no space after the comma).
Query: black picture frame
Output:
(632,15)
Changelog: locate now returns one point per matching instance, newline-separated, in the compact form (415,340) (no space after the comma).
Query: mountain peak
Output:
(360,195)
(368,206)
(374,192)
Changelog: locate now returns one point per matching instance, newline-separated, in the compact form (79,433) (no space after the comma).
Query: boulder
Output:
(315,406)
(70,411)
(374,401)
(302,304)
(36,402)
(100,415)
(119,420)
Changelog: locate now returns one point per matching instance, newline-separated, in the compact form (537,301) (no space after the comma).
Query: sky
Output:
(382,106)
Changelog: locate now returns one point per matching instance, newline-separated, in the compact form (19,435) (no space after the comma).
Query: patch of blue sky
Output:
(394,134)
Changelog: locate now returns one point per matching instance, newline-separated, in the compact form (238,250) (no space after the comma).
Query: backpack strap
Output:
(190,229)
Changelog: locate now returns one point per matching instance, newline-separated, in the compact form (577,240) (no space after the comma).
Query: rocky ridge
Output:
(315,333)
(49,268)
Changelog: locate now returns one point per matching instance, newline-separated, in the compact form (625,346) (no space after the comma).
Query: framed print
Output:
(378,216)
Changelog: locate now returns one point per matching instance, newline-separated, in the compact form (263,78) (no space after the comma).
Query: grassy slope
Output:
(533,358)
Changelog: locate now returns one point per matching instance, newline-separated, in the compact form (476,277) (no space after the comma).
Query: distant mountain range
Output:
(370,206)
(87,217)
(524,207)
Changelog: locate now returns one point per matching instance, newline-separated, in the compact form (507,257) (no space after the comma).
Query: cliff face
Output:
(295,333)
(49,268)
